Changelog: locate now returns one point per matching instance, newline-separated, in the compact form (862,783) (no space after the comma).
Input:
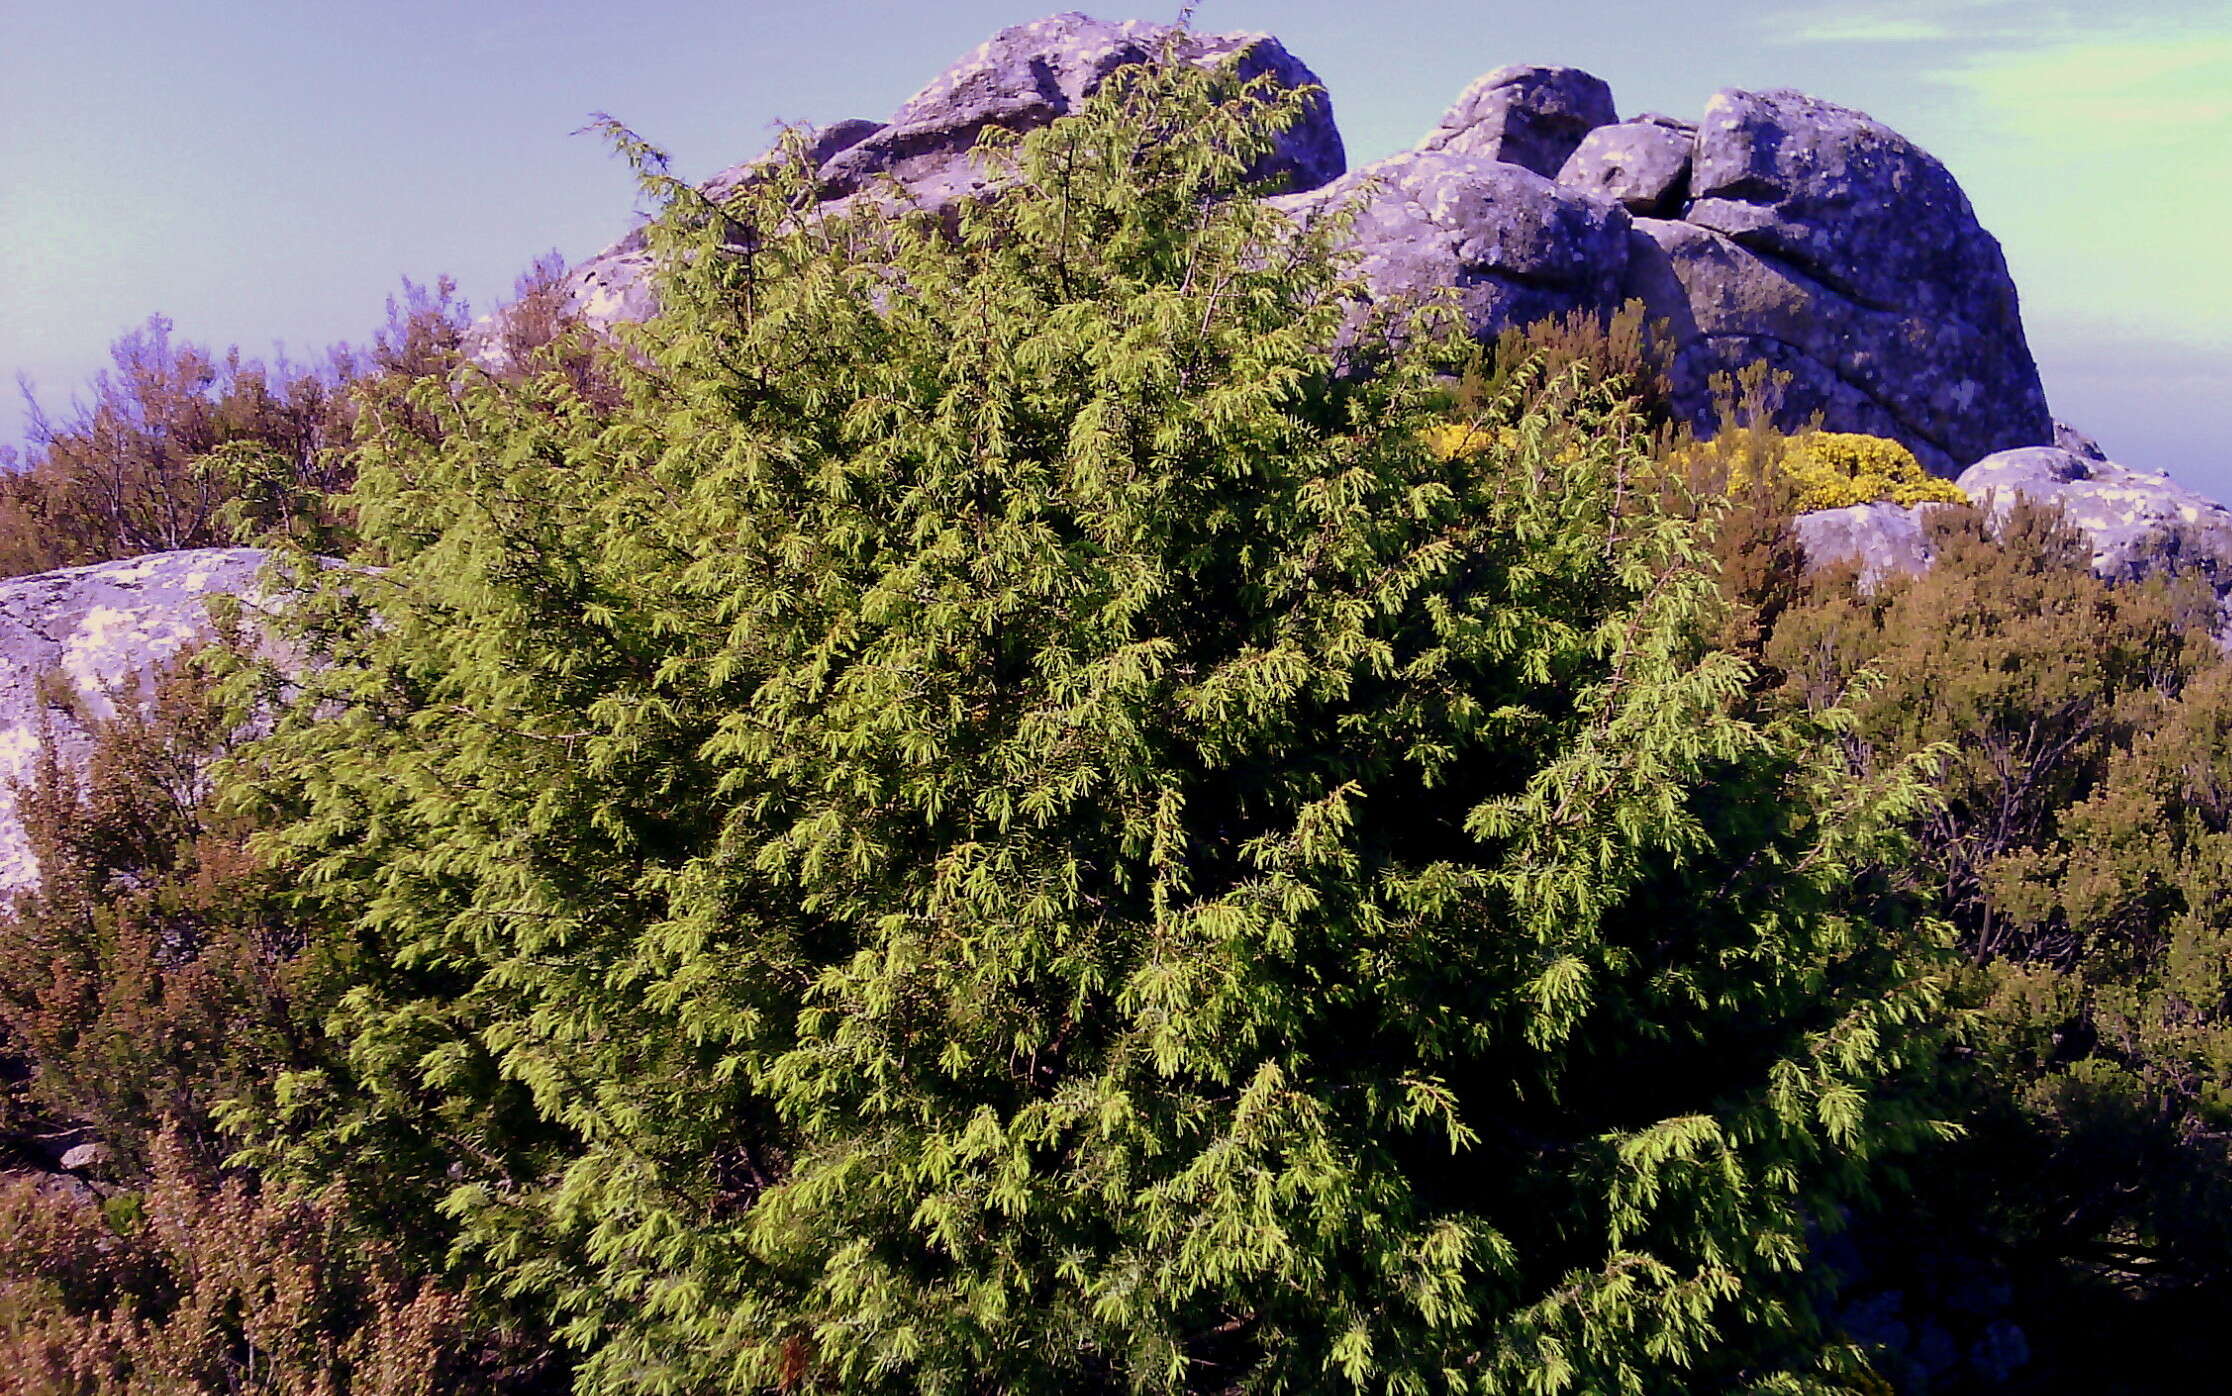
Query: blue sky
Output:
(264,173)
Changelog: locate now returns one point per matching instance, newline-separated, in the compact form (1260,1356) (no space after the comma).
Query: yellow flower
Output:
(1833,469)
(1459,440)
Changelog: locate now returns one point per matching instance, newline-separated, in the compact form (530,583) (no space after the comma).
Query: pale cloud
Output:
(2096,91)
(1910,22)
(2105,165)
(1865,29)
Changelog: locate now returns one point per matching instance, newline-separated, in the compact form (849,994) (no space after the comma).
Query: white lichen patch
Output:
(75,642)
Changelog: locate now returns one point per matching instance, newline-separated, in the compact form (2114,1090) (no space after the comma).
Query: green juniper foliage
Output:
(2082,849)
(998,821)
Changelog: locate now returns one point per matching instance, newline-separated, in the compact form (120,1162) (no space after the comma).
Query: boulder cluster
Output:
(1021,78)
(1776,228)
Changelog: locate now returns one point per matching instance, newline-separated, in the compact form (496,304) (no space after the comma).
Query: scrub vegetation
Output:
(1035,803)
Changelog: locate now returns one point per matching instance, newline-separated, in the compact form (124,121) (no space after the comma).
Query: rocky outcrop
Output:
(1880,371)
(1526,116)
(1642,165)
(88,1158)
(1025,77)
(1514,246)
(1829,246)
(73,644)
(2139,523)
(615,286)
(612,288)
(1020,79)
(1779,228)
(1884,539)
(1782,230)
(2076,442)
(1475,207)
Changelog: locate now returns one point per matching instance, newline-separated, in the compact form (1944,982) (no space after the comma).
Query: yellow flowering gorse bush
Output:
(1834,469)
(1826,469)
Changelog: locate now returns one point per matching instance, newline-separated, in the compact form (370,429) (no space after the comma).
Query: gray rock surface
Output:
(1782,230)
(86,1157)
(1026,76)
(1884,539)
(1779,229)
(98,631)
(1524,115)
(615,286)
(1841,253)
(1515,246)
(2140,523)
(2076,442)
(612,288)
(821,144)
(1642,165)
(1020,79)
(1863,368)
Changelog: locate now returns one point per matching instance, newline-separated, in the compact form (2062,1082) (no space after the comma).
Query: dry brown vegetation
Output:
(177,445)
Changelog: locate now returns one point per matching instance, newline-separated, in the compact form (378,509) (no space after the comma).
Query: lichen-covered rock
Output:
(1524,115)
(1883,538)
(75,642)
(87,1158)
(1822,241)
(612,288)
(1809,237)
(1643,165)
(819,145)
(2140,522)
(615,287)
(1020,79)
(1515,246)
(1880,370)
(2076,442)
(1849,201)
(1795,233)
(1026,76)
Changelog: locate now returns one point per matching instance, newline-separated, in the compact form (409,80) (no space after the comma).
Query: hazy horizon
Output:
(264,175)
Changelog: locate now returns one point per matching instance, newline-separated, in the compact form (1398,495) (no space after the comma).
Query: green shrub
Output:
(2080,850)
(152,983)
(211,1287)
(151,974)
(1002,822)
